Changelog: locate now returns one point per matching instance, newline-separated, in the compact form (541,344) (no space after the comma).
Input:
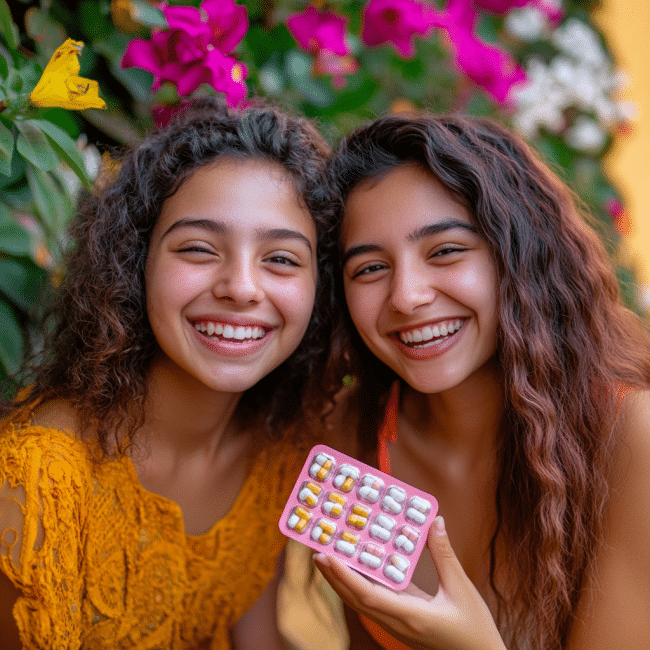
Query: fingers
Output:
(447,564)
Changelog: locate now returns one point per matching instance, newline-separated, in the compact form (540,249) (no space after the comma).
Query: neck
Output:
(184,416)
(461,422)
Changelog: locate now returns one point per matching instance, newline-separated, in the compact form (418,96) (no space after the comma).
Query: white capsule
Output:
(348,470)
(399,562)
(370,560)
(416,516)
(293,520)
(369,494)
(397,493)
(316,532)
(345,547)
(394,574)
(405,544)
(391,505)
(378,532)
(421,504)
(385,521)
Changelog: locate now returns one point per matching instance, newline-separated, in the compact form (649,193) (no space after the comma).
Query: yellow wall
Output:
(626,25)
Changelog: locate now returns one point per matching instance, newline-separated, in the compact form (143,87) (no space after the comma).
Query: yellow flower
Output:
(59,84)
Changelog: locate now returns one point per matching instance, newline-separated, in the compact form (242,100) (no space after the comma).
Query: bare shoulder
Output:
(614,609)
(56,414)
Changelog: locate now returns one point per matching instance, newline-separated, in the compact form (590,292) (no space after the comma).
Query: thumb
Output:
(447,564)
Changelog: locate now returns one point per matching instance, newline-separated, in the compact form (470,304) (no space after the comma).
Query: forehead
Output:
(403,198)
(241,193)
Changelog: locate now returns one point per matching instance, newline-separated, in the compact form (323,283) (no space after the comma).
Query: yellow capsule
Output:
(300,526)
(327,527)
(337,498)
(347,484)
(349,537)
(302,513)
(314,488)
(360,510)
(357,521)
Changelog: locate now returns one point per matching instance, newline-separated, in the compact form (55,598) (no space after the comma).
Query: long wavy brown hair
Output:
(100,345)
(566,346)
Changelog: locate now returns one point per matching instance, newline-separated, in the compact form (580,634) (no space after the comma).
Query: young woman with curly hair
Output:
(494,357)
(142,474)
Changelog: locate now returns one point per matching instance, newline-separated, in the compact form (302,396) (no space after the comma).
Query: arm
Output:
(614,611)
(258,627)
(455,618)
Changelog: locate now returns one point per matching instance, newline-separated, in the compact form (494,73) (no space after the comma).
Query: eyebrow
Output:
(416,235)
(221,228)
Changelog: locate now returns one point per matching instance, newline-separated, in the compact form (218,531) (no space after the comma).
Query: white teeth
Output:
(427,333)
(239,332)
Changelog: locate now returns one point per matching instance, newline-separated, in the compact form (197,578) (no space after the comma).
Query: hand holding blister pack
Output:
(367,519)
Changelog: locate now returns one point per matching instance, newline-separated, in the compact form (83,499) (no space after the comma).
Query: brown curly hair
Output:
(100,345)
(566,345)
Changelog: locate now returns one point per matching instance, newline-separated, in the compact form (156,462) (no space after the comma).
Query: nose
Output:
(410,289)
(238,280)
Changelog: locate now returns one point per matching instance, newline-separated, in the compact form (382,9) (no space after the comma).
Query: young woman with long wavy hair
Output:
(492,353)
(143,470)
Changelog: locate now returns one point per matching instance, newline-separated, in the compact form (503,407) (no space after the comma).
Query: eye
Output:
(282,260)
(447,250)
(368,270)
(195,248)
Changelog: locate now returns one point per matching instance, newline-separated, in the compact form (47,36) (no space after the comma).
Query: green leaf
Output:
(11,340)
(53,206)
(34,146)
(145,14)
(66,148)
(20,281)
(6,149)
(7,26)
(14,239)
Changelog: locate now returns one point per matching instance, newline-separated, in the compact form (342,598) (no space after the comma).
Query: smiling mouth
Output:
(227,332)
(423,337)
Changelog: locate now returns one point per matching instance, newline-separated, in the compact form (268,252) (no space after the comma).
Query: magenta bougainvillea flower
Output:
(499,6)
(195,49)
(316,30)
(397,22)
(487,65)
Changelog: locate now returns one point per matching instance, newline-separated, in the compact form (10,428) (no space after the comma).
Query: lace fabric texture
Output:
(102,563)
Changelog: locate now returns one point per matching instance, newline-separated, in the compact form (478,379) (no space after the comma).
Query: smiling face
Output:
(231,274)
(420,282)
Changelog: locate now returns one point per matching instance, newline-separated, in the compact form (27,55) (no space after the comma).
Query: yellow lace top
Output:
(102,563)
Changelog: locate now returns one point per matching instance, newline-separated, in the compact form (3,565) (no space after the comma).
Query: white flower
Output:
(527,23)
(585,135)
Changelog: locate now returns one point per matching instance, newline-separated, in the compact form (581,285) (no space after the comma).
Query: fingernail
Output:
(439,525)
(322,559)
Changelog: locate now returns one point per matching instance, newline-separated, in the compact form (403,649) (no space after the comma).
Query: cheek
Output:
(296,300)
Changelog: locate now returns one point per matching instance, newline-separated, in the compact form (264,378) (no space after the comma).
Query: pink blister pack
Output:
(369,520)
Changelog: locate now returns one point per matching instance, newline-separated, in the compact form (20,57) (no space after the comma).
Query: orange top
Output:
(387,433)
(103,563)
